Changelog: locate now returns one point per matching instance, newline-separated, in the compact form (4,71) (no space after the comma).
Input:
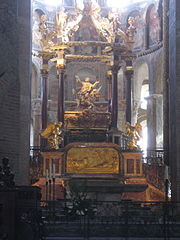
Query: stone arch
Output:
(141,74)
(39,12)
(150,7)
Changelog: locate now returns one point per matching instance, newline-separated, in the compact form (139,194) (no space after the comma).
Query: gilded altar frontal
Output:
(93,160)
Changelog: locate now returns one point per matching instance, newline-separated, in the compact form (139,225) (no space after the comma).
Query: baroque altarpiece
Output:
(84,123)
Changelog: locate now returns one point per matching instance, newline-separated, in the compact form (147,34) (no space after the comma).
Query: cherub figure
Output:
(52,133)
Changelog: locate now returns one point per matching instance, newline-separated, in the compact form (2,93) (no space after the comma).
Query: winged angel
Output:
(52,134)
(134,134)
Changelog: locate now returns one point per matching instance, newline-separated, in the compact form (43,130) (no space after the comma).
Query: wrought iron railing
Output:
(110,219)
(154,157)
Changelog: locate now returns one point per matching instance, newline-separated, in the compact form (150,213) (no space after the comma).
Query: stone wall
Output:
(174,98)
(15,85)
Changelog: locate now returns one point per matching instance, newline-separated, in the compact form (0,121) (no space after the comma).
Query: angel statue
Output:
(87,93)
(134,134)
(52,133)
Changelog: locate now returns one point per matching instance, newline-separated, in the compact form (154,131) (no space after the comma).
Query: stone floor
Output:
(125,238)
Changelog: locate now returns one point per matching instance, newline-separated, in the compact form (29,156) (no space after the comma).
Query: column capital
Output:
(60,69)
(115,68)
(129,72)
(44,72)
(154,96)
(46,56)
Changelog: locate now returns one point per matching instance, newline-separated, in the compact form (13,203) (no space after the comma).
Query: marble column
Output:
(128,74)
(155,121)
(151,122)
(46,56)
(114,108)
(60,71)
(44,112)
(36,114)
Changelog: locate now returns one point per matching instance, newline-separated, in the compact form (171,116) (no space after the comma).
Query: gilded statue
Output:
(88,92)
(66,25)
(131,29)
(134,134)
(61,18)
(43,26)
(53,134)
(110,27)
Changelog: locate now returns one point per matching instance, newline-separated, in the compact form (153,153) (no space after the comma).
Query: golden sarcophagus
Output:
(87,119)
(92,158)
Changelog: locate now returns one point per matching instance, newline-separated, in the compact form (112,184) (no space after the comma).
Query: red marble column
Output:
(44,112)
(129,74)
(114,108)
(60,114)
(44,109)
